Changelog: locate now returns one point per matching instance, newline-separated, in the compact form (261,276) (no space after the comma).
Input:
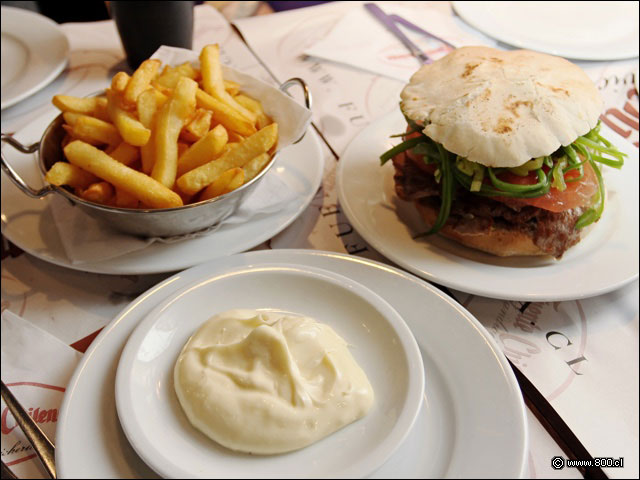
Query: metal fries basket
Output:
(166,222)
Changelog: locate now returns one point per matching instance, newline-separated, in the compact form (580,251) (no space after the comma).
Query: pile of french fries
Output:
(163,138)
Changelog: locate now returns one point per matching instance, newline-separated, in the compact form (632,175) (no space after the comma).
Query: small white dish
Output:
(582,31)
(379,340)
(390,225)
(34,52)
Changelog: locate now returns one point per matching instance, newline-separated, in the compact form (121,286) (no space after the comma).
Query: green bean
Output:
(593,214)
(401,147)
(487,191)
(571,153)
(446,186)
(510,187)
(586,142)
(558,175)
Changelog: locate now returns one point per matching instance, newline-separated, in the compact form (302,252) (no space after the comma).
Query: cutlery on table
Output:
(41,444)
(391,21)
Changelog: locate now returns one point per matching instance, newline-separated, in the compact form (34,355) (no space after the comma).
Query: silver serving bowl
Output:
(165,222)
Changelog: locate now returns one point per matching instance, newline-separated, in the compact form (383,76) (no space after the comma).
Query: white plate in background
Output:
(367,196)
(577,30)
(34,52)
(472,422)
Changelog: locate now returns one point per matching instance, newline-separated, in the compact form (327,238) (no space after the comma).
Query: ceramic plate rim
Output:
(52,29)
(476,272)
(361,467)
(100,387)
(467,11)
(162,257)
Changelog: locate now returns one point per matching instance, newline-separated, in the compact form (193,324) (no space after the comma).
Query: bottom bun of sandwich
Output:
(497,239)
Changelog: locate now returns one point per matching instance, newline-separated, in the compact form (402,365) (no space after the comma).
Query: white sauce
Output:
(268,383)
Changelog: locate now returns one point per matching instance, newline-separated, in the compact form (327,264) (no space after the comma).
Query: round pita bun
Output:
(502,108)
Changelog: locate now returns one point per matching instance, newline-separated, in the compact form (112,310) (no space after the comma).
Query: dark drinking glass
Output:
(145,26)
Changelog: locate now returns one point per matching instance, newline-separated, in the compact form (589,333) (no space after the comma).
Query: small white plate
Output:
(472,422)
(29,224)
(34,52)
(582,31)
(380,342)
(388,224)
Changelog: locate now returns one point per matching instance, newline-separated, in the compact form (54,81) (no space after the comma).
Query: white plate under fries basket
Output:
(292,119)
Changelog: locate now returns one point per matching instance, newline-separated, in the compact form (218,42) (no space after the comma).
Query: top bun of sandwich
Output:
(501,108)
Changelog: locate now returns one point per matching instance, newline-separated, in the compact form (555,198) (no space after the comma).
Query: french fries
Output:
(99,192)
(93,106)
(163,136)
(125,153)
(96,130)
(255,165)
(129,127)
(120,81)
(257,144)
(169,123)
(141,186)
(140,80)
(62,173)
(214,83)
(225,183)
(204,150)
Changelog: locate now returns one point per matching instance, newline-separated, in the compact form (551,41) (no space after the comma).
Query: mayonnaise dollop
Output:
(267,383)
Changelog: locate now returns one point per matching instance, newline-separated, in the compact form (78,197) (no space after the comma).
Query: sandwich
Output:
(503,151)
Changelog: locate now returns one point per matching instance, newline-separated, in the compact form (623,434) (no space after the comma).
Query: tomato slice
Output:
(576,194)
(417,159)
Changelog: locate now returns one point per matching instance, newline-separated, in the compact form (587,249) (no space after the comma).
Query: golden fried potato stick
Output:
(63,173)
(93,106)
(204,150)
(131,130)
(74,136)
(187,70)
(232,88)
(125,200)
(144,188)
(99,192)
(225,115)
(95,129)
(169,122)
(171,75)
(258,143)
(198,126)
(140,80)
(148,104)
(225,183)
(120,81)
(255,166)
(256,107)
(213,82)
(125,153)
(71,118)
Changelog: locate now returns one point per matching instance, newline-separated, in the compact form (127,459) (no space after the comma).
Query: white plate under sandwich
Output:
(605,260)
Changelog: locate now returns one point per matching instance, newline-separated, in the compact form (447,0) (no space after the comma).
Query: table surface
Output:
(73,306)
